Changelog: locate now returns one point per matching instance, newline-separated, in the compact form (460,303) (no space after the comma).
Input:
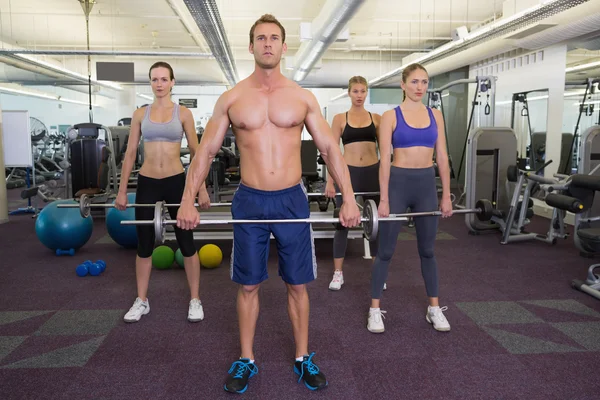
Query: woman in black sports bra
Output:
(358,131)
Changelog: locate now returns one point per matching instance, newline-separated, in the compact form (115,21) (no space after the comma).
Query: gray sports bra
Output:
(171,131)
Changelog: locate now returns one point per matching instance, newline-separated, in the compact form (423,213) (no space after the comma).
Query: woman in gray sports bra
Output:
(162,125)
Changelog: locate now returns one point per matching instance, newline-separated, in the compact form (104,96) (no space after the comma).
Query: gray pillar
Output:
(125,103)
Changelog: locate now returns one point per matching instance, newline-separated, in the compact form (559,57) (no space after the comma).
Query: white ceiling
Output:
(153,24)
(381,33)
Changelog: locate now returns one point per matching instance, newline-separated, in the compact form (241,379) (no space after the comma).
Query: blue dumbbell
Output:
(60,252)
(102,264)
(82,270)
(95,269)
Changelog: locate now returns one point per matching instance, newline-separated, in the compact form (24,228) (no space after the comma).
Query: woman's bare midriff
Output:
(161,160)
(360,154)
(413,157)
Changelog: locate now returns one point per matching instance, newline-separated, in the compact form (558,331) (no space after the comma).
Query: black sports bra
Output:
(364,134)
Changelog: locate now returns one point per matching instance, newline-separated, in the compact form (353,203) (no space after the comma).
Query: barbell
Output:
(483,210)
(85,204)
(370,219)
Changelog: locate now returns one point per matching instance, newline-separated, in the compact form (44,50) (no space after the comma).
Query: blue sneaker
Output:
(313,378)
(239,373)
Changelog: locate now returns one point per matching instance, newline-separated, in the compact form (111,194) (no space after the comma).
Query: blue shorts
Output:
(295,244)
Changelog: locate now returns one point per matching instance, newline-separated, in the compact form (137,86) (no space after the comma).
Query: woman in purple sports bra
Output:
(162,126)
(357,129)
(414,132)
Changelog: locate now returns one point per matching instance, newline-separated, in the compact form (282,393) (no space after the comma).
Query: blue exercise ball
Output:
(124,235)
(63,228)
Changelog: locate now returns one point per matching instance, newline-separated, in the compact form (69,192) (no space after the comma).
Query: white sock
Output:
(434,308)
(300,358)
(374,309)
(251,361)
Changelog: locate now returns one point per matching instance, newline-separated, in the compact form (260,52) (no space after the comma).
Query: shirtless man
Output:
(267,112)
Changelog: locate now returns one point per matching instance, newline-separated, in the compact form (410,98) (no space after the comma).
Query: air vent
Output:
(534,17)
(576,29)
(531,31)
(207,17)
(588,42)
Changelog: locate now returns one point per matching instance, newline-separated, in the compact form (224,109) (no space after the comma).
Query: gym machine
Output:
(490,152)
(582,190)
(92,162)
(526,184)
(589,157)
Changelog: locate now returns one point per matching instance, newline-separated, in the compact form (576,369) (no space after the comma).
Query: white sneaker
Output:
(195,312)
(384,286)
(436,317)
(337,281)
(136,311)
(375,322)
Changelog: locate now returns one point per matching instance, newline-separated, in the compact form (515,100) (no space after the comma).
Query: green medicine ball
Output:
(163,257)
(179,258)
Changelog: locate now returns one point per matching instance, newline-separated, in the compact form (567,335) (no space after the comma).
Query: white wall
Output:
(52,112)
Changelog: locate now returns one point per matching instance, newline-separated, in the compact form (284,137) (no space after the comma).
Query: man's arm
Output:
(336,130)
(187,120)
(330,150)
(211,143)
(441,155)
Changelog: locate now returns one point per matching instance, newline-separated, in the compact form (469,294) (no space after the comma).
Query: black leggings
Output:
(363,179)
(149,191)
(414,188)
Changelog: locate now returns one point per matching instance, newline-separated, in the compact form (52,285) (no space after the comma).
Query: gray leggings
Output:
(363,179)
(414,188)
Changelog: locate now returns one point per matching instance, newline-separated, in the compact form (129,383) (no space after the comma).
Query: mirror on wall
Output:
(581,124)
(529,114)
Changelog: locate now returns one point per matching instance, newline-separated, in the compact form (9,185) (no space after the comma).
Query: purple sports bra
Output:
(407,136)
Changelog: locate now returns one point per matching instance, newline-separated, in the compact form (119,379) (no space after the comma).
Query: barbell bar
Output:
(483,210)
(370,219)
(85,204)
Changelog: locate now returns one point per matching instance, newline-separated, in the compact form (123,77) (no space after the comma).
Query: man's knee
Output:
(249,290)
(296,290)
